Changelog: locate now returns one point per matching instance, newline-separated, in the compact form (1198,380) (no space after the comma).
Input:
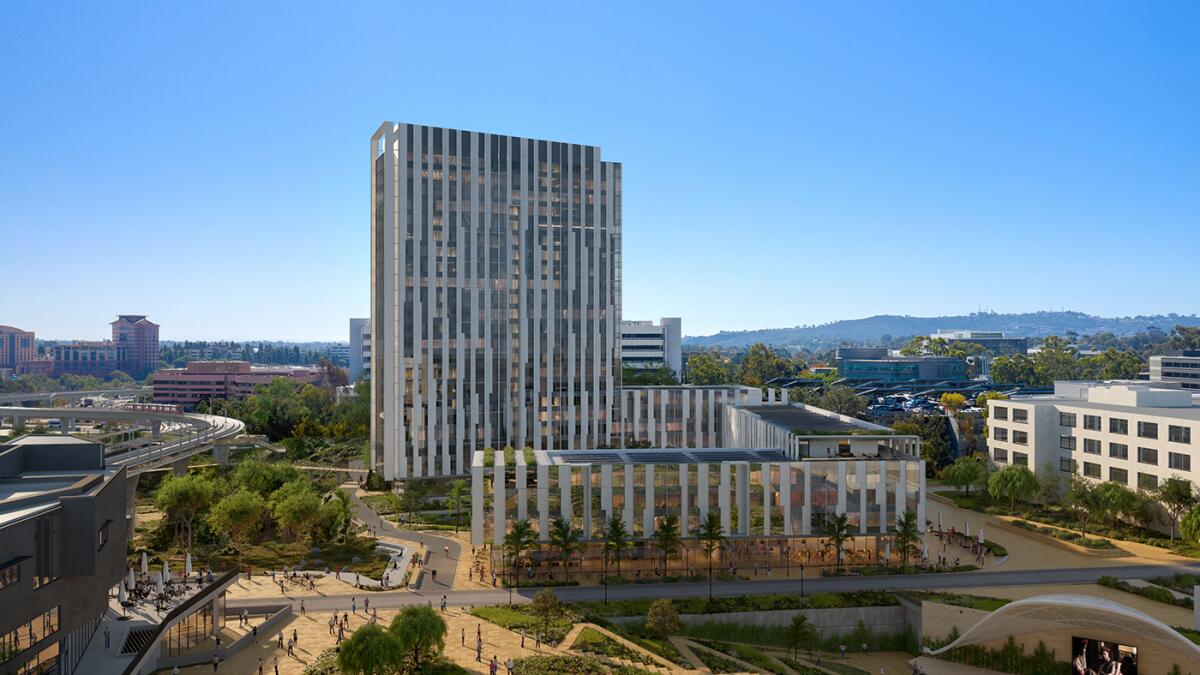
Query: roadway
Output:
(946,580)
(72,395)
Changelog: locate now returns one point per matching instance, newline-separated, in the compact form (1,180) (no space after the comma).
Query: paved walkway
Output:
(438,547)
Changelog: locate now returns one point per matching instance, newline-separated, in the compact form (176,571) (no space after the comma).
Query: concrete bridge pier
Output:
(221,454)
(155,429)
(179,467)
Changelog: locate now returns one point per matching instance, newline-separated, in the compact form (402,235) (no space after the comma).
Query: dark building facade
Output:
(63,533)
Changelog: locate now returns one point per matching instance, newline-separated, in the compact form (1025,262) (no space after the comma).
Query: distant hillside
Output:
(872,329)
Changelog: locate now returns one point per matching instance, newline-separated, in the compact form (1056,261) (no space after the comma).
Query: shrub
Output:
(662,619)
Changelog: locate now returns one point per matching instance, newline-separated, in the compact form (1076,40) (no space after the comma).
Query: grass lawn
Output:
(358,554)
(517,617)
(979,602)
(747,653)
(593,641)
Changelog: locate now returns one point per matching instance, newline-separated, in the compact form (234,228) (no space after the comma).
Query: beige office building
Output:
(1134,433)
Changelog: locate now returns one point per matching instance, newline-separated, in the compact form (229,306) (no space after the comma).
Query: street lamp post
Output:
(802,580)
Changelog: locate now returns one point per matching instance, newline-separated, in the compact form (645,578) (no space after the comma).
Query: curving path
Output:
(446,566)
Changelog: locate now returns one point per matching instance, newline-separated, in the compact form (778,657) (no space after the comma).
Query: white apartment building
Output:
(496,297)
(360,348)
(1134,433)
(1182,368)
(680,416)
(647,345)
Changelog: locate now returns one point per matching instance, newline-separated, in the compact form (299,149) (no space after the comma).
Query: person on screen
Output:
(1079,665)
(1108,664)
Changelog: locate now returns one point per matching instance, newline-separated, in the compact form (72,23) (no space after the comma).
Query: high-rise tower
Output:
(496,297)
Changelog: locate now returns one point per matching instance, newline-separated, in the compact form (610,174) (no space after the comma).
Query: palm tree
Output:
(1189,527)
(518,540)
(713,536)
(906,535)
(616,539)
(566,539)
(457,498)
(837,533)
(666,537)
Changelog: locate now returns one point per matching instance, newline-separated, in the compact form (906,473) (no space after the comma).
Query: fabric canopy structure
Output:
(1077,613)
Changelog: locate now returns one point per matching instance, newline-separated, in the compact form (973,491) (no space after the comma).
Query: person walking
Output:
(275,662)
(295,636)
(302,607)
(260,666)
(216,662)
(464,636)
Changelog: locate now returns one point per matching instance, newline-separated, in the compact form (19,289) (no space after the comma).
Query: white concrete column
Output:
(921,496)
(476,504)
(522,487)
(543,500)
(806,512)
(841,489)
(783,396)
(881,496)
(651,421)
(628,515)
(743,490)
(606,488)
(723,498)
(785,496)
(648,512)
(902,489)
(498,505)
(664,438)
(684,487)
(702,491)
(565,507)
(585,476)
(861,472)
(765,468)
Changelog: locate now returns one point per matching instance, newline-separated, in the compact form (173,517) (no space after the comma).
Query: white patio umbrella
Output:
(131,582)
(121,595)
(145,563)
(967,531)
(187,565)
(160,585)
(166,570)
(981,536)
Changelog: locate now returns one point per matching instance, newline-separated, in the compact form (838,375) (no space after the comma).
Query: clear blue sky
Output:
(208,164)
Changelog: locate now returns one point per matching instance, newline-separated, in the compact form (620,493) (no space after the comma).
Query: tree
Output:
(616,539)
(707,368)
(370,650)
(518,540)
(963,473)
(662,619)
(412,497)
(763,364)
(1049,484)
(1113,364)
(1056,360)
(712,536)
(566,539)
(953,402)
(546,608)
(842,400)
(181,498)
(935,437)
(295,507)
(1176,497)
(1189,527)
(457,500)
(837,533)
(421,634)
(1079,500)
(642,377)
(907,535)
(1014,483)
(801,633)
(1115,500)
(240,517)
(1015,369)
(666,538)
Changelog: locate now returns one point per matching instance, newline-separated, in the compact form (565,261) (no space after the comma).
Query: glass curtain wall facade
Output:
(496,297)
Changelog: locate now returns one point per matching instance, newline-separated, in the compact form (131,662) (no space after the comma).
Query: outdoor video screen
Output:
(1098,657)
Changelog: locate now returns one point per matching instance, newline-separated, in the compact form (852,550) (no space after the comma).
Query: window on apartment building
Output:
(1179,434)
(1020,459)
(1066,442)
(10,574)
(1020,438)
(1147,481)
(1148,456)
(1118,426)
(1065,464)
(1091,422)
(1066,419)
(1091,446)
(102,535)
(1118,475)
(1000,412)
(1000,434)
(1179,461)
(1118,450)
(1020,415)
(1147,430)
(1091,470)
(1000,455)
